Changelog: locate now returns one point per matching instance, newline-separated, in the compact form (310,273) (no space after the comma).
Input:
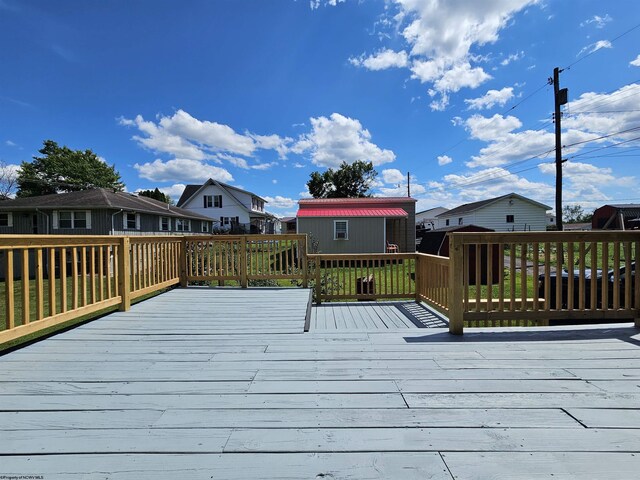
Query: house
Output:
(508,213)
(426,219)
(617,217)
(231,208)
(98,211)
(288,224)
(358,225)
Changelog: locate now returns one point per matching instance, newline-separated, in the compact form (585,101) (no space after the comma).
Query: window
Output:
(6,219)
(447,222)
(77,219)
(510,219)
(205,227)
(340,230)
(460,221)
(213,201)
(183,225)
(165,224)
(130,221)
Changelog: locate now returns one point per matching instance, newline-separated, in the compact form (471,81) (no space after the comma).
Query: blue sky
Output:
(261,93)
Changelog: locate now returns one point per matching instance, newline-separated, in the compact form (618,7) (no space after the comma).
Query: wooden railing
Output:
(432,281)
(49,280)
(363,276)
(246,258)
(499,279)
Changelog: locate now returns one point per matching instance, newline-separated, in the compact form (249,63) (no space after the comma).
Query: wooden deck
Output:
(373,316)
(223,384)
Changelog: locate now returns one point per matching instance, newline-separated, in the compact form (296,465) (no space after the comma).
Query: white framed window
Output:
(72,219)
(208,201)
(165,224)
(6,219)
(446,222)
(183,225)
(213,201)
(510,219)
(131,221)
(341,230)
(205,227)
(217,201)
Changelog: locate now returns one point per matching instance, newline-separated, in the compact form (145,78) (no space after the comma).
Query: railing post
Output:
(302,257)
(417,280)
(456,285)
(183,262)
(318,285)
(243,262)
(124,274)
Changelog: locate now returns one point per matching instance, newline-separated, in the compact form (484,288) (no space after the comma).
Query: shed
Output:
(436,242)
(616,217)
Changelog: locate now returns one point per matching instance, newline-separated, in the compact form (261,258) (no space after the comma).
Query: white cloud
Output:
(491,128)
(444,160)
(181,170)
(263,166)
(280,202)
(595,47)
(338,138)
(298,165)
(381,60)
(439,36)
(9,143)
(315,4)
(490,99)
(512,58)
(393,175)
(174,191)
(597,21)
(273,142)
(636,62)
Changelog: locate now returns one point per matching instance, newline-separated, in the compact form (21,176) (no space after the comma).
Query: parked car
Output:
(590,276)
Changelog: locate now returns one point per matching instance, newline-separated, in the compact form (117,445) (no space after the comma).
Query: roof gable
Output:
(191,191)
(471,207)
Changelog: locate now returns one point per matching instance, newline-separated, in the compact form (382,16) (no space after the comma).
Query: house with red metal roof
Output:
(359,225)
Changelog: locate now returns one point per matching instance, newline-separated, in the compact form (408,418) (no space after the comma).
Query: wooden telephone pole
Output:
(560,98)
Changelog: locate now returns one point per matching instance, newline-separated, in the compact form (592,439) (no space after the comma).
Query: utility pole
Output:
(408,185)
(560,98)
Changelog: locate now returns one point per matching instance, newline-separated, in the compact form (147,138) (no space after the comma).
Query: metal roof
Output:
(354,201)
(352,212)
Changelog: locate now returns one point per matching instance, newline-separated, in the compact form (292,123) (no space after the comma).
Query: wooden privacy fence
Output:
(245,258)
(498,279)
(46,280)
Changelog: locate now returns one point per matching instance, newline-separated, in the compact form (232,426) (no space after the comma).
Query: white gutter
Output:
(112,217)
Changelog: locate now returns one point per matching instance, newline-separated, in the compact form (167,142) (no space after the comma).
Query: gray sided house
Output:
(97,212)
(508,213)
(359,225)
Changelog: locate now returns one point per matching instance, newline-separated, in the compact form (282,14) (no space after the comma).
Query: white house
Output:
(427,219)
(231,208)
(508,213)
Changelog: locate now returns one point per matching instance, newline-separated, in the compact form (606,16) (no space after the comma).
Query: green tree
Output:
(575,214)
(61,169)
(156,194)
(349,181)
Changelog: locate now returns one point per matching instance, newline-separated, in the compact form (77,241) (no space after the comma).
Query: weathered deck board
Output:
(180,383)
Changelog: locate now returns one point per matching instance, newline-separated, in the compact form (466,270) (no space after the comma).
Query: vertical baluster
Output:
(489,269)
(604,278)
(92,270)
(101,271)
(571,277)
(536,275)
(52,281)
(478,275)
(628,276)
(83,274)
(63,280)
(593,304)
(25,287)
(581,276)
(547,276)
(116,270)
(559,261)
(108,270)
(512,277)
(74,279)
(616,276)
(501,278)
(524,247)
(39,284)
(9,298)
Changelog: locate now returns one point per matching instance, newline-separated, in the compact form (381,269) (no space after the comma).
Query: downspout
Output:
(45,216)
(113,216)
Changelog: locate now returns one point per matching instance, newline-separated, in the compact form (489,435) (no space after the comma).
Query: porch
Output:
(224,383)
